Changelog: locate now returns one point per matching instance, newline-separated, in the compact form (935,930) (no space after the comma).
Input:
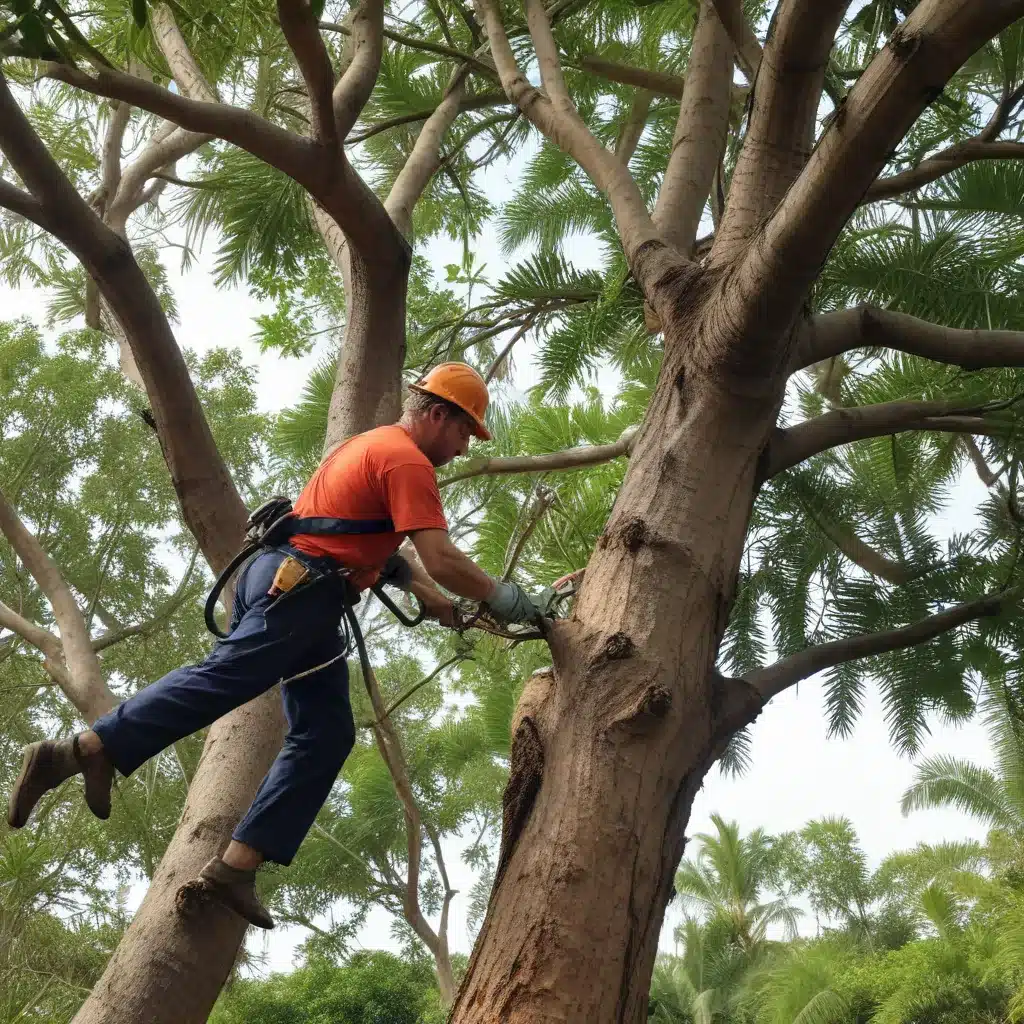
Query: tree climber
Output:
(373,491)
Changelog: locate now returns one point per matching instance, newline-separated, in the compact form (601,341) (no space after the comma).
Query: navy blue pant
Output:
(270,640)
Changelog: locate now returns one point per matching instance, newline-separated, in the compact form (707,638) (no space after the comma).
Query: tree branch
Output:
(771,681)
(41,639)
(748,49)
(277,147)
(416,687)
(793,445)
(88,690)
(355,86)
(923,53)
(185,437)
(857,551)
(302,33)
(159,617)
(783,115)
(662,83)
(981,467)
(571,458)
(446,982)
(831,334)
(186,71)
(14,199)
(700,136)
(945,161)
(477,102)
(544,499)
(422,44)
(110,155)
(425,157)
(500,358)
(156,155)
(632,128)
(556,118)
(390,747)
(333,183)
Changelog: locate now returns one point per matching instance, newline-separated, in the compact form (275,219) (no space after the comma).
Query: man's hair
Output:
(419,403)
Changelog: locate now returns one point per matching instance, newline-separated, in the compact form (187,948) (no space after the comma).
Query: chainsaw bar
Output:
(557,598)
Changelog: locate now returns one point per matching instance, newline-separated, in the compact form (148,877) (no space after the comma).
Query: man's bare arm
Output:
(447,565)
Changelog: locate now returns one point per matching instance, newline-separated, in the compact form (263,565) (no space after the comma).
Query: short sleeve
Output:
(414,502)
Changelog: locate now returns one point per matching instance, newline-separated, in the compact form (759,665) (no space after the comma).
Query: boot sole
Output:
(31,756)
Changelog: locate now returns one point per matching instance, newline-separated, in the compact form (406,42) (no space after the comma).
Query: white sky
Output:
(797,773)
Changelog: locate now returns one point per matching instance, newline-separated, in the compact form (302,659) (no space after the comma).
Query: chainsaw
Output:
(554,602)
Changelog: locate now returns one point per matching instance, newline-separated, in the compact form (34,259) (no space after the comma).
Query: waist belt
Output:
(272,525)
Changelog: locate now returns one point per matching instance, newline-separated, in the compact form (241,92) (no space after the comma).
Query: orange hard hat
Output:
(461,385)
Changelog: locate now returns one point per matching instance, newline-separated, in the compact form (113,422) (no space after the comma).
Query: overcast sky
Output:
(798,774)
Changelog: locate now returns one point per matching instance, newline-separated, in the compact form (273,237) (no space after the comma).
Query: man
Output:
(287,610)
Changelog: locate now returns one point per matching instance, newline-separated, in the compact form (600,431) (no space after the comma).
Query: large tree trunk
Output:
(611,746)
(169,967)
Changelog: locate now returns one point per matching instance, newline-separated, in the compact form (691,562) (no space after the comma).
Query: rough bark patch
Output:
(526,770)
(646,711)
(904,44)
(634,535)
(191,898)
(212,825)
(617,647)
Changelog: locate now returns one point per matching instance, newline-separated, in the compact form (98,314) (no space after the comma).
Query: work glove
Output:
(509,603)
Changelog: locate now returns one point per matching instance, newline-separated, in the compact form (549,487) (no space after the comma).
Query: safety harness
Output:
(273,525)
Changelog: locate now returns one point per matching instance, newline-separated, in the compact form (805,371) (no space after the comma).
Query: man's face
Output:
(447,437)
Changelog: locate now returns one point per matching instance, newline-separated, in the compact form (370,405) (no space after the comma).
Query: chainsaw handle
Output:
(378,589)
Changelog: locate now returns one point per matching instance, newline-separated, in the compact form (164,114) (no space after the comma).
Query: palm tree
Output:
(705,984)
(725,882)
(995,797)
(724,934)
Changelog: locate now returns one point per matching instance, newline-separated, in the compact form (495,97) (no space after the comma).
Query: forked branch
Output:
(748,49)
(275,145)
(922,54)
(88,690)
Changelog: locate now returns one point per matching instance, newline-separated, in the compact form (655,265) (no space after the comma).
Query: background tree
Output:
(728,446)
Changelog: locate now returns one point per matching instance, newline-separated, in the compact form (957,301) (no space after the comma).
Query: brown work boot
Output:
(99,778)
(236,889)
(46,765)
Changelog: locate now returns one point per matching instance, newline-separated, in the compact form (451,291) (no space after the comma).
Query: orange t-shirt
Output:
(381,474)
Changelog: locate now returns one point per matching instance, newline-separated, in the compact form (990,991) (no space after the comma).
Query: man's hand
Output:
(509,603)
(437,606)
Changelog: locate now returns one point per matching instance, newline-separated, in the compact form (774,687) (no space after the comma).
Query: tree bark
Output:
(610,747)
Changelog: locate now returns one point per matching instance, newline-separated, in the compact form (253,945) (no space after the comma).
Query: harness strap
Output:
(326,526)
(273,525)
